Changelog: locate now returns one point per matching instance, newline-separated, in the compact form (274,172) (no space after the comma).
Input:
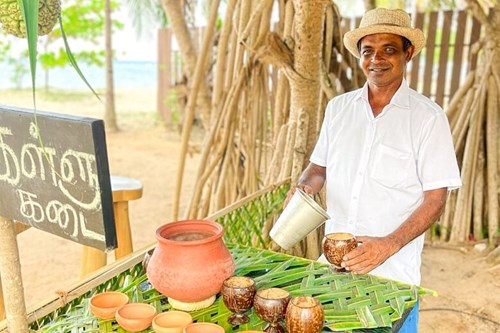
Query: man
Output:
(385,153)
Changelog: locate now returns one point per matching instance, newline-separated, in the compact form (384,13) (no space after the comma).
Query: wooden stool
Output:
(124,189)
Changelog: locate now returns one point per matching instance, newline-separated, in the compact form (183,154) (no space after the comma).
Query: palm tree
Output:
(110,112)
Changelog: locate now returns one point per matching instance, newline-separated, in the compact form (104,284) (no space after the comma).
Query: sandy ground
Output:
(468,288)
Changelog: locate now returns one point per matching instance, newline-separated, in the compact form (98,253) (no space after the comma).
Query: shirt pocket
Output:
(391,167)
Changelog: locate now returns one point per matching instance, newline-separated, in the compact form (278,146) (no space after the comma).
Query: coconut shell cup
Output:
(237,294)
(336,246)
(304,314)
(270,305)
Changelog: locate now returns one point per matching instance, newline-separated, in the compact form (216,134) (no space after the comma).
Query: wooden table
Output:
(346,298)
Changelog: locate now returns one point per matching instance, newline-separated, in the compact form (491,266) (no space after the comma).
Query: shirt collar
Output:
(401,98)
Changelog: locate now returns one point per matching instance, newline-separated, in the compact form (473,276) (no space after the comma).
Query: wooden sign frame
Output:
(54,175)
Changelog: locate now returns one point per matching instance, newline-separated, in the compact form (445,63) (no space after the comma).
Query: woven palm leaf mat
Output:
(362,303)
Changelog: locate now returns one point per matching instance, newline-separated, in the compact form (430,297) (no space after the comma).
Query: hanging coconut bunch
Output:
(11,17)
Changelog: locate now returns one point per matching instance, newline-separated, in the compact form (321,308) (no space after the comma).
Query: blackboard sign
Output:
(54,175)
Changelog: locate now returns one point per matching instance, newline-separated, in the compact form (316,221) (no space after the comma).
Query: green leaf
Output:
(73,61)
(29,8)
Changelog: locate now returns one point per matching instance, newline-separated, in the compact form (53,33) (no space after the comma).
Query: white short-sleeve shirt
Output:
(378,168)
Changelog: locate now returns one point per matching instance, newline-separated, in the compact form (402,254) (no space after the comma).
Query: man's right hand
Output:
(305,188)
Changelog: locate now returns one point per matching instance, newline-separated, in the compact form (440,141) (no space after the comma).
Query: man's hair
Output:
(406,43)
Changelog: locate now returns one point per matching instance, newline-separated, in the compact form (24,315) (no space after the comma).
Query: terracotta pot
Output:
(203,328)
(105,304)
(135,317)
(190,261)
(304,314)
(171,321)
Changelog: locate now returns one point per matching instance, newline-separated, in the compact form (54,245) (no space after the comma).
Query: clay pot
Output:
(135,317)
(336,245)
(204,328)
(270,305)
(304,314)
(104,305)
(171,321)
(237,294)
(190,261)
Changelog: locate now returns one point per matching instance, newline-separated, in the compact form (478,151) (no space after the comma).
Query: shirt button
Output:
(355,197)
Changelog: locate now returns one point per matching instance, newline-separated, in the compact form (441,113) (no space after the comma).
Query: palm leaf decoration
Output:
(358,303)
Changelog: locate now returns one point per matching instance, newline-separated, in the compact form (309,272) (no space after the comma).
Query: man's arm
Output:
(311,181)
(375,250)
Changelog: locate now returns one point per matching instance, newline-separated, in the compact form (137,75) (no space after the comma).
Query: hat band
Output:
(382,24)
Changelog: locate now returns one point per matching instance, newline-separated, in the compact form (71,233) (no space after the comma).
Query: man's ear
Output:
(409,53)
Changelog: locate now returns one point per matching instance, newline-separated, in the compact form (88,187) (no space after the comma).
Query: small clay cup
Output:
(304,314)
(135,317)
(203,328)
(237,294)
(270,305)
(336,245)
(105,304)
(171,322)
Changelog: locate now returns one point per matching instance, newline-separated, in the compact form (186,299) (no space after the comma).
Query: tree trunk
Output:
(180,29)
(163,70)
(305,84)
(109,113)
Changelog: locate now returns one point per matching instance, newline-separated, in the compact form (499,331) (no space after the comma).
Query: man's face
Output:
(383,59)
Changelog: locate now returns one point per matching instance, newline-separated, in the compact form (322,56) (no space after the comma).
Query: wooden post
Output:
(12,284)
(2,306)
(163,86)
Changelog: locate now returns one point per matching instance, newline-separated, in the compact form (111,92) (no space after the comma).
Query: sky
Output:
(130,46)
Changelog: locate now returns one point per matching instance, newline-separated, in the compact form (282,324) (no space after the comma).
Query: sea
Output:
(127,75)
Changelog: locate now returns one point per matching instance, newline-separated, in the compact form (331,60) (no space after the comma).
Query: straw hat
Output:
(382,20)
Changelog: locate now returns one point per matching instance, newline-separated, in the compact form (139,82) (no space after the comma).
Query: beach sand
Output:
(468,288)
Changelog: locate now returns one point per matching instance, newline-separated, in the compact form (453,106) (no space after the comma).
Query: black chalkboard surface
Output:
(54,175)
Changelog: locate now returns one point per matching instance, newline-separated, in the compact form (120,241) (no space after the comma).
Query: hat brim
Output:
(414,35)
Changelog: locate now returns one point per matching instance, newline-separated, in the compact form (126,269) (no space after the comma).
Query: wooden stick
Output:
(462,218)
(286,166)
(191,105)
(447,218)
(281,108)
(492,158)
(221,59)
(204,173)
(277,156)
(478,203)
(12,283)
(459,95)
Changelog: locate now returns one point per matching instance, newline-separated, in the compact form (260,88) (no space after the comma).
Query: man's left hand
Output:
(371,253)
